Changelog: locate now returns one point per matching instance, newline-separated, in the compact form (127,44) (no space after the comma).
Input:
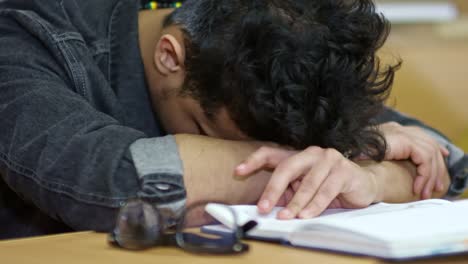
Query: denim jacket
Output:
(78,135)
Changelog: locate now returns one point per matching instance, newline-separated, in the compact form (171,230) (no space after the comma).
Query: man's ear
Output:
(169,55)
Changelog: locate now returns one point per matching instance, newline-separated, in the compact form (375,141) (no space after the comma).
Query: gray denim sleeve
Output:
(160,170)
(457,161)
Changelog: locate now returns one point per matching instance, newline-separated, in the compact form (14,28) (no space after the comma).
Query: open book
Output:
(391,231)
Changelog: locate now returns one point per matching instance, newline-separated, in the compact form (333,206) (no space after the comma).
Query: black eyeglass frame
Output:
(223,244)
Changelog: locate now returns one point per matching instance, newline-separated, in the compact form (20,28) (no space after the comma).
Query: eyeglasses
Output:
(140,226)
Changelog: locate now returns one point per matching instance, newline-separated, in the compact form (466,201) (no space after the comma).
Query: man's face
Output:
(184,115)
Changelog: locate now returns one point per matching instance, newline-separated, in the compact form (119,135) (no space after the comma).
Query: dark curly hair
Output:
(295,72)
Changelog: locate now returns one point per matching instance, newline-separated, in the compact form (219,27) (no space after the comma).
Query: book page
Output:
(411,222)
(246,213)
(269,225)
(395,231)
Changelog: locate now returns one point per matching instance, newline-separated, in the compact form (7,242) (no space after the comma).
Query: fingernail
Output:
(286,213)
(446,151)
(306,214)
(440,186)
(427,195)
(264,204)
(241,167)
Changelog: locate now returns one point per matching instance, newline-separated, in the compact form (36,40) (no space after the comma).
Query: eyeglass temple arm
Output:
(248,226)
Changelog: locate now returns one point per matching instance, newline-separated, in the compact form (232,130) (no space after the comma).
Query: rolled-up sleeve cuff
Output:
(160,171)
(459,175)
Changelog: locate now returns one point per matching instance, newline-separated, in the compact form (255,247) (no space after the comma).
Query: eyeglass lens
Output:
(139,226)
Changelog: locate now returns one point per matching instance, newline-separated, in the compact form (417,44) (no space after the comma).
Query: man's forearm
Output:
(395,180)
(209,173)
(208,170)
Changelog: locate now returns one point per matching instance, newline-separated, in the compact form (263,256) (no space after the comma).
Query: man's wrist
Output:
(375,178)
(378,186)
(392,180)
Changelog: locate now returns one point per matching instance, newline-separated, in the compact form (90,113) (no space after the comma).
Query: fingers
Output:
(442,169)
(436,182)
(307,189)
(327,193)
(439,182)
(422,156)
(418,184)
(428,155)
(311,185)
(444,151)
(286,198)
(423,150)
(430,183)
(398,141)
(335,204)
(287,171)
(296,184)
(425,156)
(312,180)
(263,158)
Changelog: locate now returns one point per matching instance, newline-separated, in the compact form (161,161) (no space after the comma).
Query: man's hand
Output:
(320,178)
(412,143)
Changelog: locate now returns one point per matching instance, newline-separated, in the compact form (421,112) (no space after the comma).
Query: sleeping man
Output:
(273,102)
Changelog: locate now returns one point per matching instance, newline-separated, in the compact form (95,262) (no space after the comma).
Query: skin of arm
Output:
(209,175)
(324,178)
(395,180)
(208,170)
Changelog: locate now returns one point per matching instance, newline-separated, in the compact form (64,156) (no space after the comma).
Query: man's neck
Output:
(150,26)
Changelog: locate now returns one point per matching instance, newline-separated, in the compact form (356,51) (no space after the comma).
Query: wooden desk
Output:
(88,247)
(432,85)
